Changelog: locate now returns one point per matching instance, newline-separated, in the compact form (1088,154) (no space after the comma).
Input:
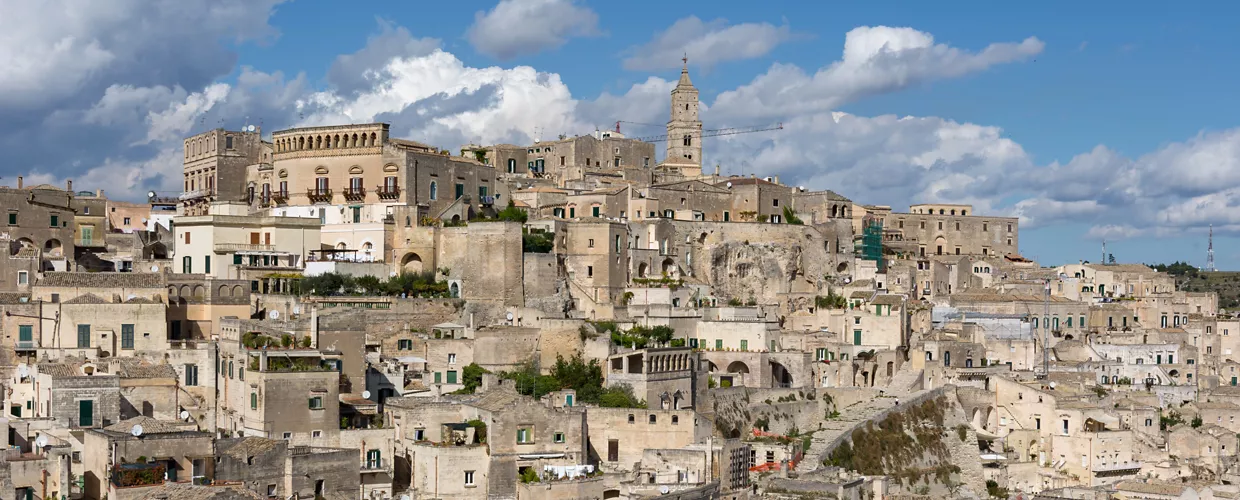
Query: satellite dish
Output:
(392,274)
(137,430)
(296,309)
(274,315)
(184,415)
(509,316)
(41,441)
(729,184)
(154,269)
(150,194)
(131,297)
(366,394)
(664,489)
(1052,385)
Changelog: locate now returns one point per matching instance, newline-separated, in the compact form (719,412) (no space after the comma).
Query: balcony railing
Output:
(279,196)
(388,192)
(89,242)
(354,193)
(265,201)
(319,195)
(27,345)
(243,247)
(381,465)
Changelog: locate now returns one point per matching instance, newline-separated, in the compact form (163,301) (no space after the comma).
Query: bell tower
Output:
(684,129)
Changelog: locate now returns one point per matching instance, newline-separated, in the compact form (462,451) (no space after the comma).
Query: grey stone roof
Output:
(136,368)
(185,491)
(88,298)
(243,448)
(149,426)
(102,280)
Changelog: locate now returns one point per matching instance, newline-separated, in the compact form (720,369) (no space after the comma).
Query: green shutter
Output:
(254,401)
(55,220)
(83,336)
(594,211)
(25,333)
(126,336)
(12,218)
(207,264)
(744,345)
(86,413)
(856,337)
(236,259)
(452,376)
(718,343)
(437,377)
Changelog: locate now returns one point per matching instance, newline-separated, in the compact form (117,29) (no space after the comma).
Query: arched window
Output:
(434,190)
(512,166)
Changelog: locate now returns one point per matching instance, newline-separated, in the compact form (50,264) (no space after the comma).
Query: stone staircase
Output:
(901,389)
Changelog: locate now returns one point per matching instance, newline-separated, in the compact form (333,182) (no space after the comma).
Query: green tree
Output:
(791,217)
(513,214)
(620,396)
(471,377)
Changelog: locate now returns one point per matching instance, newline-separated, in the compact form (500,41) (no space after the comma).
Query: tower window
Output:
(688,141)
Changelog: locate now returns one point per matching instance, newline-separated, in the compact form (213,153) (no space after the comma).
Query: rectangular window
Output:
(206,262)
(228,142)
(253,400)
(595,211)
(83,337)
(13,219)
(451,376)
(55,220)
(438,377)
(187,263)
(590,271)
(559,437)
(23,277)
(25,333)
(469,478)
(460,190)
(316,403)
(525,435)
(191,375)
(744,345)
(718,343)
(451,358)
(126,336)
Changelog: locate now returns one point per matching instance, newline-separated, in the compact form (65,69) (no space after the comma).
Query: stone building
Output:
(142,443)
(274,468)
(215,167)
(228,244)
(942,229)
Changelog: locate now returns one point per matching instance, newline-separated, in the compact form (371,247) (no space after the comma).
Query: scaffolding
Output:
(872,242)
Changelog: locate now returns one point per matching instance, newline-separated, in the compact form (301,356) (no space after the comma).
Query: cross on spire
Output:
(685,59)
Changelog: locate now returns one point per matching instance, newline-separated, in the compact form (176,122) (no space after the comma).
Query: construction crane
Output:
(719,132)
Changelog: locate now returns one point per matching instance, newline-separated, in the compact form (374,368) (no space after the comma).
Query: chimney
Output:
(19,182)
(69,185)
(777,179)
(99,193)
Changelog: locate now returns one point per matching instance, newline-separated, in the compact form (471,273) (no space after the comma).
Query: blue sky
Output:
(1088,121)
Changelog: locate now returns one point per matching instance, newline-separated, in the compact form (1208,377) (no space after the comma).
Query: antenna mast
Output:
(1104,253)
(1210,251)
(1046,332)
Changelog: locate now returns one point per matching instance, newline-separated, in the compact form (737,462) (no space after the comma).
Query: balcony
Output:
(380,465)
(138,474)
(279,197)
(90,242)
(355,193)
(388,192)
(27,345)
(265,201)
(242,247)
(317,195)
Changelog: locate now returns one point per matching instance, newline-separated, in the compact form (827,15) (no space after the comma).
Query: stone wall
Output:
(545,287)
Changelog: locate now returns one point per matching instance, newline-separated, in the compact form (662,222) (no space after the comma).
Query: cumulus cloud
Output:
(363,69)
(522,27)
(876,60)
(706,43)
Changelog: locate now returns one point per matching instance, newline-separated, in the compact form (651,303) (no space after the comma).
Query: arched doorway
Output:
(669,268)
(641,270)
(455,290)
(53,248)
(411,263)
(780,377)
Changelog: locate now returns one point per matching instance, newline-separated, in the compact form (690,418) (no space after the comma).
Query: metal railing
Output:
(89,242)
(383,464)
(243,247)
(319,194)
(356,193)
(388,192)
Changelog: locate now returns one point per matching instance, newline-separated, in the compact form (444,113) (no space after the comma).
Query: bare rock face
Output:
(762,271)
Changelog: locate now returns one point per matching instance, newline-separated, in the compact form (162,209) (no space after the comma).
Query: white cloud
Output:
(521,27)
(875,60)
(706,44)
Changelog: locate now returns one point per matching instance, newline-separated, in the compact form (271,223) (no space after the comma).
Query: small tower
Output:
(1210,251)
(684,129)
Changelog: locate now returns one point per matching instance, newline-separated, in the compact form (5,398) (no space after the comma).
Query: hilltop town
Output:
(332,312)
